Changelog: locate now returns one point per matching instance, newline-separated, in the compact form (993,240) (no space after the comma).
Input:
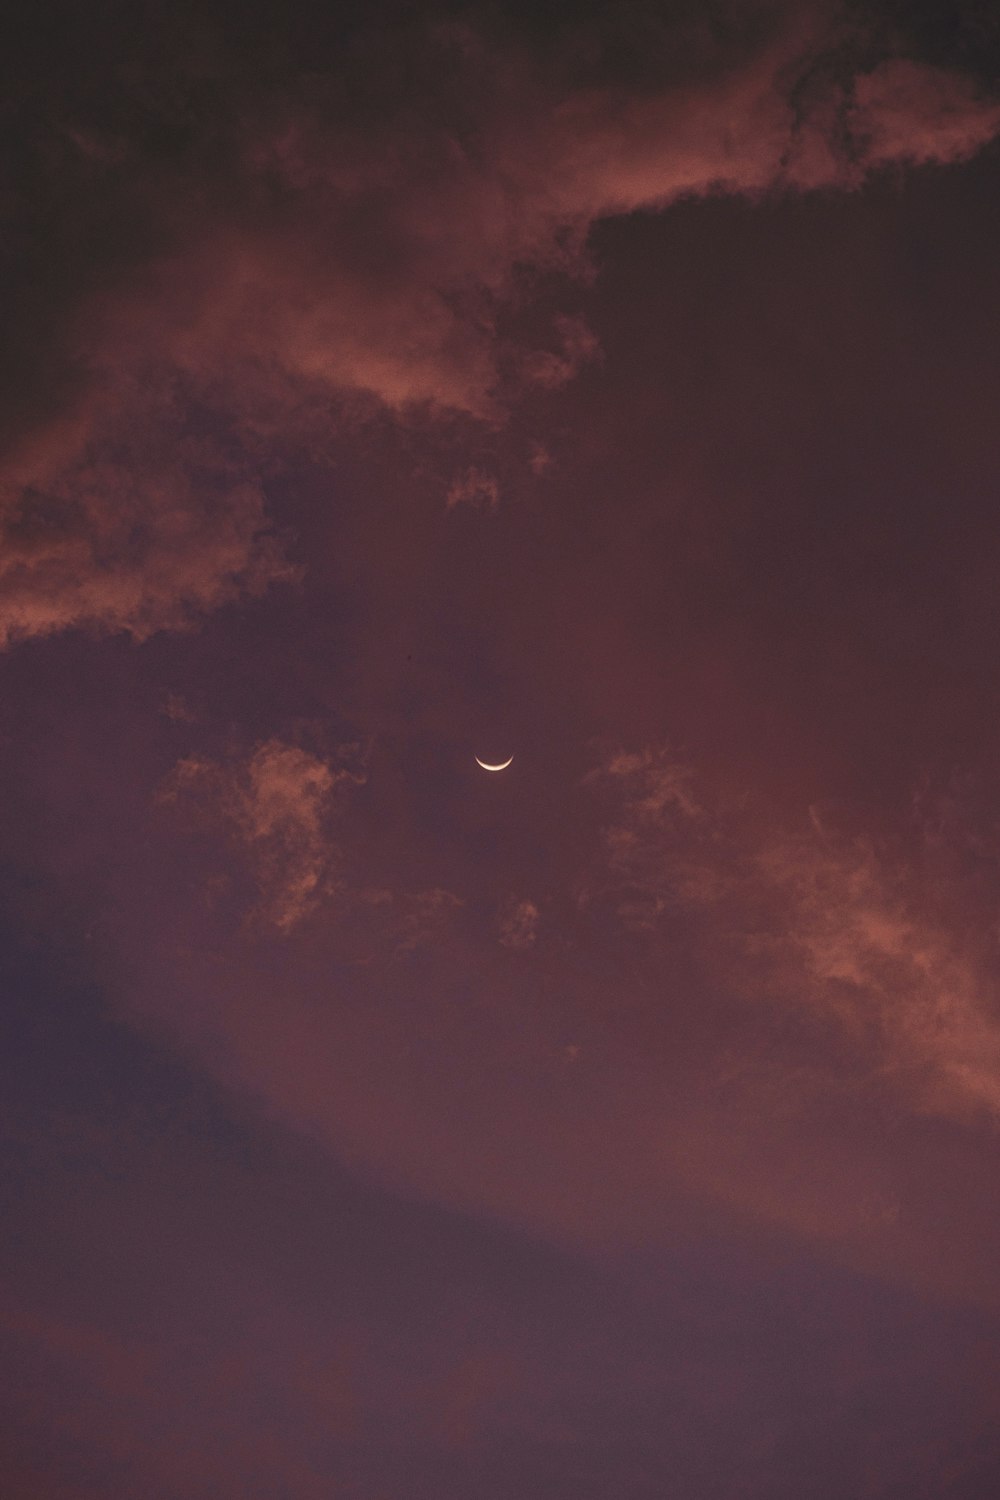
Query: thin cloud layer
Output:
(816,922)
(278,803)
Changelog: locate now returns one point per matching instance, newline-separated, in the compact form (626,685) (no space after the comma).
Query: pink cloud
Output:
(279,804)
(120,519)
(455,220)
(814,922)
(904,111)
(722,1023)
(372,253)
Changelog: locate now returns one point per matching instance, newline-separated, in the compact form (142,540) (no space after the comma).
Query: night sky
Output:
(615,387)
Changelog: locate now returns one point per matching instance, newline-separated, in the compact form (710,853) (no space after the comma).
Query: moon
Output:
(501,767)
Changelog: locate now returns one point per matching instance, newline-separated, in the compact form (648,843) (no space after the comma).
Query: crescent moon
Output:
(502,767)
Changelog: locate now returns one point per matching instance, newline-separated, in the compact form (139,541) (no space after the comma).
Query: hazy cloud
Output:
(279,803)
(519,924)
(908,112)
(476,488)
(832,923)
(122,518)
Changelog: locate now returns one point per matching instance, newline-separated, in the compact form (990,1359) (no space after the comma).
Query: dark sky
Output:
(616,388)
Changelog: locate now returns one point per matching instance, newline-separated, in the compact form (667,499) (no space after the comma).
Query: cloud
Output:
(360,231)
(278,804)
(476,488)
(422,917)
(122,519)
(540,460)
(577,346)
(822,920)
(284,807)
(904,111)
(744,1013)
(888,972)
(519,924)
(457,210)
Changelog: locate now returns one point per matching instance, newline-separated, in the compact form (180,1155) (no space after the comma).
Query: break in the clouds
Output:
(345,239)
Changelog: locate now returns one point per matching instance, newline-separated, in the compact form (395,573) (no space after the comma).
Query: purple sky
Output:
(617,389)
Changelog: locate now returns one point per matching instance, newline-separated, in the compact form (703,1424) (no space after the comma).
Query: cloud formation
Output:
(278,804)
(340,243)
(121,518)
(816,921)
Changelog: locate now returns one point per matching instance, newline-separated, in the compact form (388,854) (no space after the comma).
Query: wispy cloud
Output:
(845,927)
(278,803)
(518,927)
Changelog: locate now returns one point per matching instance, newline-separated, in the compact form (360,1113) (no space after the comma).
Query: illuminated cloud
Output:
(816,922)
(369,248)
(123,520)
(458,218)
(279,803)
(376,1127)
(904,111)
